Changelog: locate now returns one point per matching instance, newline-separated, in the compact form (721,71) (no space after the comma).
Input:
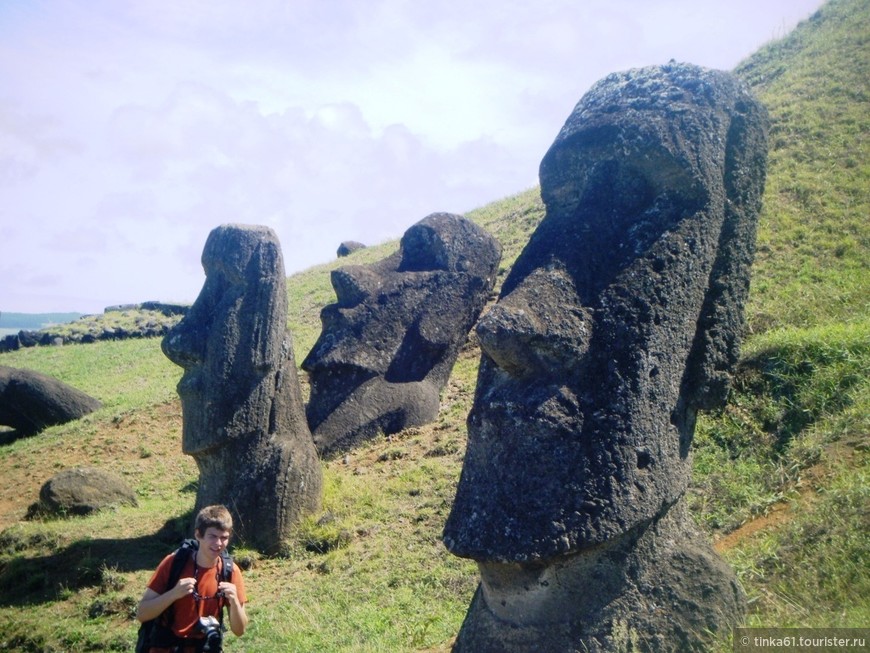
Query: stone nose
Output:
(512,339)
(184,345)
(539,329)
(352,284)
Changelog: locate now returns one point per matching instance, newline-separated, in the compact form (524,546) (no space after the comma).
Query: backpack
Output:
(158,631)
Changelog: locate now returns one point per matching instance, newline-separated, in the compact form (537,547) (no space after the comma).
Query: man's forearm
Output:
(238,618)
(152,607)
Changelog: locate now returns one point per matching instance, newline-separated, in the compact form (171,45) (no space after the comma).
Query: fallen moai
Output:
(30,401)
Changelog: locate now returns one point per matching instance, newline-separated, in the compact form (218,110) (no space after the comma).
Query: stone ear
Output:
(716,347)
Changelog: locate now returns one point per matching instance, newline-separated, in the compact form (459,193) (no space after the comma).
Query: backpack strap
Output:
(227,567)
(158,631)
(226,576)
(179,559)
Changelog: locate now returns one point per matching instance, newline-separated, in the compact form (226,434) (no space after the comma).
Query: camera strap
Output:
(225,573)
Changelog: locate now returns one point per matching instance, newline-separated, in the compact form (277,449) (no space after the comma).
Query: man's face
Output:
(213,541)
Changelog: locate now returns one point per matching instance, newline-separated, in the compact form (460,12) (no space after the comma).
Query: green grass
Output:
(811,264)
(780,472)
(123,374)
(812,572)
(796,391)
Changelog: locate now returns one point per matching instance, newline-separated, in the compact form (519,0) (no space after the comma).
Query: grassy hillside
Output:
(781,473)
(812,265)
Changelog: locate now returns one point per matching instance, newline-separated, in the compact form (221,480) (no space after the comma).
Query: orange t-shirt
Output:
(188,609)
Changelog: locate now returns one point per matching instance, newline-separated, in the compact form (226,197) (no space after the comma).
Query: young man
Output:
(199,592)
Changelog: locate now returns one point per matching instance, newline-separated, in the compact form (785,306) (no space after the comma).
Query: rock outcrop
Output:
(242,410)
(149,320)
(618,322)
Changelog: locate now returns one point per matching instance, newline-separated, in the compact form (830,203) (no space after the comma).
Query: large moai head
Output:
(619,320)
(30,401)
(388,344)
(243,414)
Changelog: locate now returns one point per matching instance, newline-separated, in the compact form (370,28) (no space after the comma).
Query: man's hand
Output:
(238,616)
(229,590)
(184,587)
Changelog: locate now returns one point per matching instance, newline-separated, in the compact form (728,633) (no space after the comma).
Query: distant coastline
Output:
(14,322)
(145,320)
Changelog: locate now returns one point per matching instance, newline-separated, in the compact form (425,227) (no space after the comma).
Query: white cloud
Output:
(129,130)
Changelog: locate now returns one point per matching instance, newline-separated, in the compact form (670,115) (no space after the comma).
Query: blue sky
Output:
(130,129)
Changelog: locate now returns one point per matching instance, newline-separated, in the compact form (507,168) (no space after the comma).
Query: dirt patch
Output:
(122,444)
(781,513)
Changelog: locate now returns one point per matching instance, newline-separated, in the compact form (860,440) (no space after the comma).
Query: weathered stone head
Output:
(620,319)
(389,342)
(243,415)
(31,402)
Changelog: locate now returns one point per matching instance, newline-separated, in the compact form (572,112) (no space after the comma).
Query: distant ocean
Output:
(11,323)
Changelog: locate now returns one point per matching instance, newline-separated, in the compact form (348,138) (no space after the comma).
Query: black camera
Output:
(211,627)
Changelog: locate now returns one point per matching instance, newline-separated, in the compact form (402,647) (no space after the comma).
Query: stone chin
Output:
(198,437)
(537,593)
(542,479)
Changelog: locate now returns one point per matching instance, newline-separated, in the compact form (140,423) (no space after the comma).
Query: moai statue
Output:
(243,414)
(389,343)
(31,402)
(620,319)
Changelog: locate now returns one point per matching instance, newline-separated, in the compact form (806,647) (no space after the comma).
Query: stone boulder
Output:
(348,247)
(243,418)
(84,490)
(28,338)
(30,401)
(390,341)
(619,321)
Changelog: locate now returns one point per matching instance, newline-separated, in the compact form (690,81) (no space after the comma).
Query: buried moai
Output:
(242,409)
(619,320)
(31,402)
(390,341)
